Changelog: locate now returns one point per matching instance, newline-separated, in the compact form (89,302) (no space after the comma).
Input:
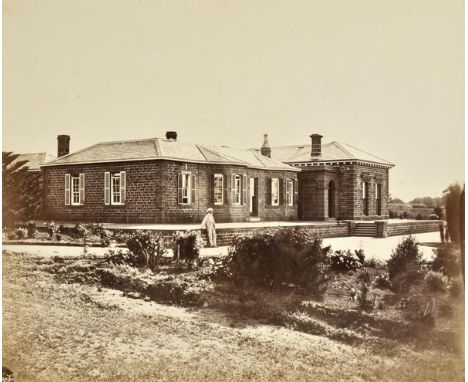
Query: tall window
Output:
(236,189)
(115,188)
(289,192)
(378,198)
(275,192)
(218,198)
(365,198)
(74,189)
(187,188)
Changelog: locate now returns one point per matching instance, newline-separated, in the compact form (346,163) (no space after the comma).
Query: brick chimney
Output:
(316,148)
(266,149)
(63,146)
(171,135)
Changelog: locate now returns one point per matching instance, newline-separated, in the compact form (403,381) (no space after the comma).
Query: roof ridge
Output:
(73,153)
(346,151)
(228,157)
(127,140)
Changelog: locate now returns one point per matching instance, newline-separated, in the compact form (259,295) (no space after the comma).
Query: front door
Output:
(253,197)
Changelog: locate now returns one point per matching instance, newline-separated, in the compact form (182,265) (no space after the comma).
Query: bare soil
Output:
(82,320)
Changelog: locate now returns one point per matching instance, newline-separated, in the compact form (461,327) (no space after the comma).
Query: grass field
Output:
(54,330)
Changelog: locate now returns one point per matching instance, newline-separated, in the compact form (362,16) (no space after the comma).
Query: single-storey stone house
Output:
(337,180)
(166,181)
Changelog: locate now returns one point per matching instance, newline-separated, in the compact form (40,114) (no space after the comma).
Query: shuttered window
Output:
(244,189)
(115,188)
(289,192)
(74,189)
(187,188)
(275,192)
(218,192)
(107,188)
(235,189)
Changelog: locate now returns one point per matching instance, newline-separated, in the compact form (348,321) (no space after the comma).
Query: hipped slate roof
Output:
(333,151)
(159,148)
(34,160)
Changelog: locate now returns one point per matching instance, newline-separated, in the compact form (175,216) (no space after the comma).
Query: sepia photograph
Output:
(233,190)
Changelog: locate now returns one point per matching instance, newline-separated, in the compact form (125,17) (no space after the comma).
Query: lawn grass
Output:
(59,329)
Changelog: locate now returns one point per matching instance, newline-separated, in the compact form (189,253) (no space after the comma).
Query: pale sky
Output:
(386,76)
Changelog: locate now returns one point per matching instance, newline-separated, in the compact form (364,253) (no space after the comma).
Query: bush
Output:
(375,263)
(11,235)
(32,229)
(20,233)
(344,261)
(404,265)
(285,256)
(447,260)
(52,229)
(121,237)
(433,217)
(120,257)
(148,248)
(58,236)
(382,281)
(392,214)
(79,231)
(98,230)
(188,243)
(436,281)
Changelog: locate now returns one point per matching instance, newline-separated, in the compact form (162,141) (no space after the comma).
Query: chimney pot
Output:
(172,135)
(316,147)
(63,145)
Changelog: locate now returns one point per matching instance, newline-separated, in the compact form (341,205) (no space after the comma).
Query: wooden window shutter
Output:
(212,188)
(282,190)
(244,189)
(179,188)
(67,189)
(233,188)
(226,189)
(123,186)
(269,191)
(107,188)
(193,190)
(82,188)
(296,192)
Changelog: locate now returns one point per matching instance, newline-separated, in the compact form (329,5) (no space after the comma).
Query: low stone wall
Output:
(408,228)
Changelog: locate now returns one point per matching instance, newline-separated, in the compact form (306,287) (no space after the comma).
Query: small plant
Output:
(436,281)
(20,233)
(405,263)
(58,236)
(344,261)
(32,229)
(148,247)
(120,257)
(11,235)
(187,244)
(52,229)
(360,255)
(433,217)
(382,281)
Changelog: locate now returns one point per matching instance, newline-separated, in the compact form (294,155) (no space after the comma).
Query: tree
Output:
(395,200)
(452,210)
(428,201)
(21,191)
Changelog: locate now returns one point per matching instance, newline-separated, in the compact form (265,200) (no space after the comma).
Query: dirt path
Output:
(70,332)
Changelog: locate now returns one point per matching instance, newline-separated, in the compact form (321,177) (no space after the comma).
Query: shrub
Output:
(32,229)
(20,233)
(404,265)
(148,248)
(58,236)
(447,260)
(436,281)
(382,281)
(392,214)
(456,288)
(375,263)
(52,229)
(188,244)
(433,217)
(11,235)
(121,237)
(360,255)
(79,231)
(285,256)
(98,230)
(120,257)
(343,261)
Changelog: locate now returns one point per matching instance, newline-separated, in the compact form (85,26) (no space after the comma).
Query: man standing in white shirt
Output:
(208,223)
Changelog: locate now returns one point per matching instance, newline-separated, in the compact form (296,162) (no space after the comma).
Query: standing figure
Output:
(208,223)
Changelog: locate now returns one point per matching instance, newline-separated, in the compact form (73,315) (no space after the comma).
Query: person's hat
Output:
(209,210)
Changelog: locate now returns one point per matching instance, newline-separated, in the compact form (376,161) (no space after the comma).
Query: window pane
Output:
(218,189)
